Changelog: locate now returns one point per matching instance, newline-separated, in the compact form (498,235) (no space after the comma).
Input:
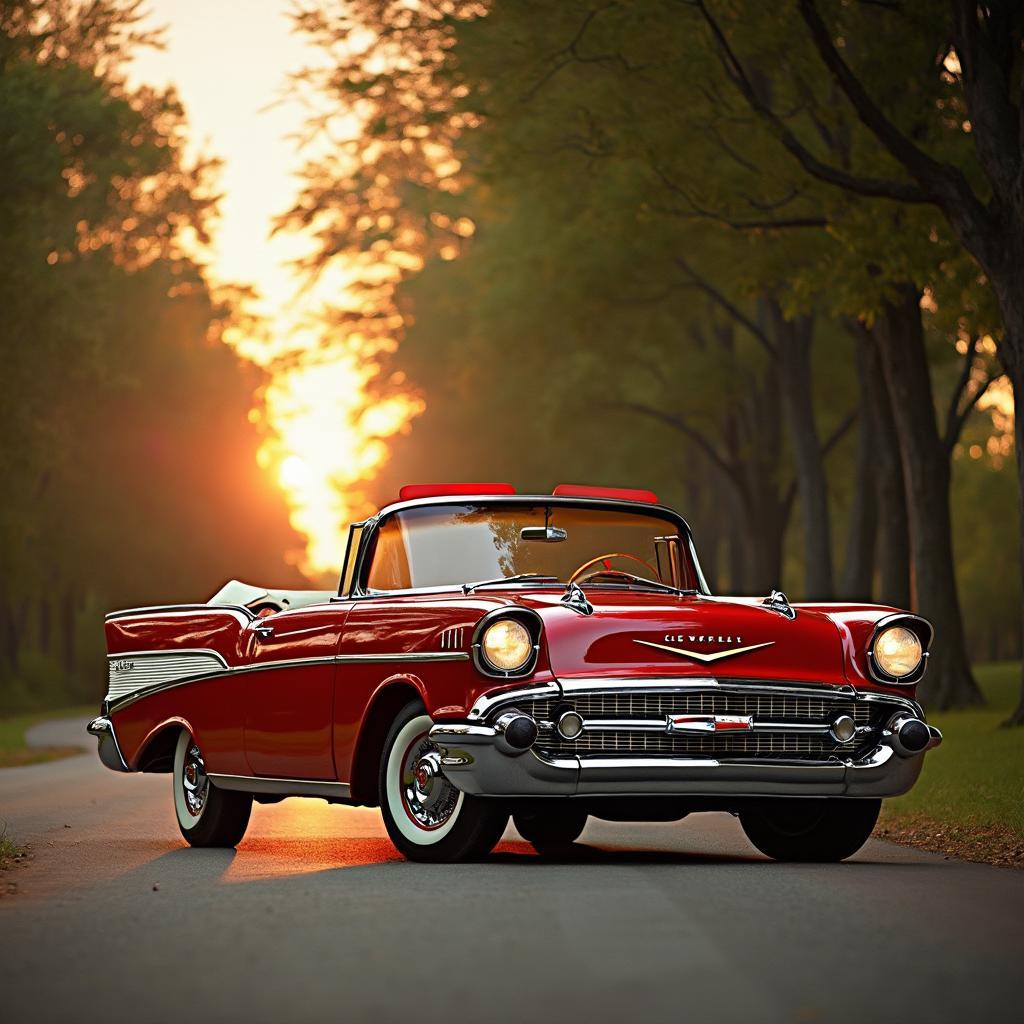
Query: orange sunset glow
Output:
(325,439)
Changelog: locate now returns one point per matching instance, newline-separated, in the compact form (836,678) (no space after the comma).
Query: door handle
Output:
(263,632)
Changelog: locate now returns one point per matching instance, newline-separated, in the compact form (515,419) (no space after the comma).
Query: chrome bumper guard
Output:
(472,759)
(109,750)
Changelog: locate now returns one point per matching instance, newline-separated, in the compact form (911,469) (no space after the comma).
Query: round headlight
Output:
(897,651)
(506,645)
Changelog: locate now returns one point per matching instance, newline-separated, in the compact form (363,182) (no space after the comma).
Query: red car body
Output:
(292,694)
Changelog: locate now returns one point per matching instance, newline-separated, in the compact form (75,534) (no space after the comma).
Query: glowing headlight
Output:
(506,645)
(897,651)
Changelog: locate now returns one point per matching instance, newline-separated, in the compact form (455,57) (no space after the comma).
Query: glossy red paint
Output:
(291,694)
(617,493)
(412,492)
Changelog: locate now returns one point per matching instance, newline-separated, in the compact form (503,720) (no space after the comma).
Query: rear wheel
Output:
(550,829)
(207,816)
(810,830)
(427,818)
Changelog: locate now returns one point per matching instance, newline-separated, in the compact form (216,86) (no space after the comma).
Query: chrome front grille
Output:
(780,709)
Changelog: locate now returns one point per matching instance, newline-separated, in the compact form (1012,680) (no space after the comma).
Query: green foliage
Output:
(127,444)
(649,183)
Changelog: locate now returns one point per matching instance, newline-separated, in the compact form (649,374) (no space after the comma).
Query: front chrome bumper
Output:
(472,760)
(109,750)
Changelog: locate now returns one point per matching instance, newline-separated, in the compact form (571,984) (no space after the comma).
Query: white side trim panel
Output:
(137,671)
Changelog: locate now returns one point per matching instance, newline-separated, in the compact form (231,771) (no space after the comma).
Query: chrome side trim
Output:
(241,614)
(414,656)
(282,787)
(272,666)
(116,702)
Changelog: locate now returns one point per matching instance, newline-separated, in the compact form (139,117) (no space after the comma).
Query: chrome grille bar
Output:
(785,722)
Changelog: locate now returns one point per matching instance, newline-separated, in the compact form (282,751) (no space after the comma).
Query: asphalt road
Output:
(315,917)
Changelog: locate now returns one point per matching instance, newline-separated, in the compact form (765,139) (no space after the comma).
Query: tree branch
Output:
(839,433)
(680,425)
(716,296)
(956,417)
(983,41)
(885,188)
(941,183)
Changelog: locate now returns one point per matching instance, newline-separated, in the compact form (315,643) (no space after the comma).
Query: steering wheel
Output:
(607,570)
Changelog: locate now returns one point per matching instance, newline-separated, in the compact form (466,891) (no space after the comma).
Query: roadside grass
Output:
(8,851)
(969,801)
(14,752)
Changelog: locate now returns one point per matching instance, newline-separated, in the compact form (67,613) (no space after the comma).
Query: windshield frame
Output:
(371,526)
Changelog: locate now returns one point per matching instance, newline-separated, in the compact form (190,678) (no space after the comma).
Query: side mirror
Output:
(546,534)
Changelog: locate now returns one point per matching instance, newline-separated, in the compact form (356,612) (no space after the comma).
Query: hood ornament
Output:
(575,599)
(778,602)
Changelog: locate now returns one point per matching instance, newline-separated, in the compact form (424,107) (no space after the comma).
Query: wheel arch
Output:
(387,700)
(156,753)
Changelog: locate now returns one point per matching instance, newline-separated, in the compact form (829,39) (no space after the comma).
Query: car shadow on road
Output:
(285,859)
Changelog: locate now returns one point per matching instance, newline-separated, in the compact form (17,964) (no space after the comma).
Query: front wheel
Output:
(207,816)
(427,818)
(811,829)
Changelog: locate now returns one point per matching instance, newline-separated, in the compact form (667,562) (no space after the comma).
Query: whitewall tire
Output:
(207,816)
(427,818)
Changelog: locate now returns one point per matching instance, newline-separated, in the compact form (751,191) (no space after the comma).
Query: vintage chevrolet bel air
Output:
(544,657)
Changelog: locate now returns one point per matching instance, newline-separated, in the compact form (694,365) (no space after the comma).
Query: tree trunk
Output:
(704,495)
(926,471)
(793,343)
(68,621)
(893,530)
(739,547)
(859,571)
(11,631)
(45,630)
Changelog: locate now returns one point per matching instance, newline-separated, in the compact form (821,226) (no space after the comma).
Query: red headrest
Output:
(620,493)
(412,491)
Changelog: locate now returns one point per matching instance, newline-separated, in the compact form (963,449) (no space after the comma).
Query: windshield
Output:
(447,545)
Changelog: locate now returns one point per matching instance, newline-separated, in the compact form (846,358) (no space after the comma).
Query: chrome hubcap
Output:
(194,781)
(429,798)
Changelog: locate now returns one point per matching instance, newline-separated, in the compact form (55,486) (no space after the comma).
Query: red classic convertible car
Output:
(547,657)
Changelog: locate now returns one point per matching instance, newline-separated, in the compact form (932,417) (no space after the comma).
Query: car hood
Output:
(645,634)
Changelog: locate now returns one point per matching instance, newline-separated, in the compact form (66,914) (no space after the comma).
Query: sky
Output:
(229,60)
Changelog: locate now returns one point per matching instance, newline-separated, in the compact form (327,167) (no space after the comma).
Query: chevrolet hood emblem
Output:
(700,656)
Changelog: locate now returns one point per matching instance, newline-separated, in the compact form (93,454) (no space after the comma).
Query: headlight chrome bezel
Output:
(525,617)
(921,628)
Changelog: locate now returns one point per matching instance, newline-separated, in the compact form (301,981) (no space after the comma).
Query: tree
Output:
(625,164)
(128,446)
(977,56)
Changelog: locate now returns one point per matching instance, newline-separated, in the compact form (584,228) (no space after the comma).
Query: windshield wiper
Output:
(518,578)
(657,584)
